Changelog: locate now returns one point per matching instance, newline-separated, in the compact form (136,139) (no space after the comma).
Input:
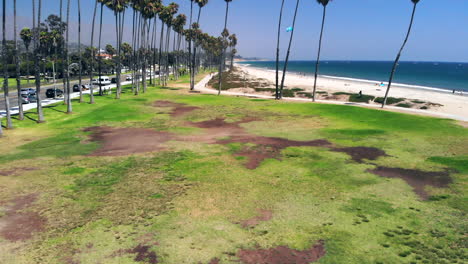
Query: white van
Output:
(104,80)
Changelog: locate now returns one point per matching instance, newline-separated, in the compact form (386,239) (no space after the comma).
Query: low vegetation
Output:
(232,180)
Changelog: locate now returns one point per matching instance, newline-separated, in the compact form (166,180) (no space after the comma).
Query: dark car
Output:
(83,87)
(52,93)
(114,80)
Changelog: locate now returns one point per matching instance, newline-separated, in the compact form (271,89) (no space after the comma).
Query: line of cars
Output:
(28,95)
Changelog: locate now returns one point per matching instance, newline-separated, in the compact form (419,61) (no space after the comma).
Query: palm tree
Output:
(5,69)
(289,51)
(223,58)
(278,49)
(324,3)
(40,113)
(395,64)
(118,6)
(67,61)
(26,36)
(232,45)
(99,46)
(190,43)
(17,62)
(201,4)
(79,50)
(93,57)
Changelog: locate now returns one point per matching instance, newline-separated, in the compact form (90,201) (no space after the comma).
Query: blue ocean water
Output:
(444,75)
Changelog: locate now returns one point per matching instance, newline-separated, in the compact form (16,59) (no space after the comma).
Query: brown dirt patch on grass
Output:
(19,224)
(214,261)
(265,147)
(282,255)
(142,254)
(16,171)
(358,154)
(416,178)
(263,215)
(125,141)
(178,109)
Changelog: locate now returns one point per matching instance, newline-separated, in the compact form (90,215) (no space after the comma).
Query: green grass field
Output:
(194,200)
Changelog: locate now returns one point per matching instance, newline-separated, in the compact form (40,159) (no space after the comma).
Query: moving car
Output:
(28,91)
(52,93)
(84,87)
(104,80)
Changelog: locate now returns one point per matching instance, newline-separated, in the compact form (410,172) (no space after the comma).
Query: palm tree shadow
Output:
(27,115)
(53,107)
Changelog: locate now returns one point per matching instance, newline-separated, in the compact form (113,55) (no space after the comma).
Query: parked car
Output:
(104,80)
(114,80)
(84,87)
(28,91)
(129,78)
(52,93)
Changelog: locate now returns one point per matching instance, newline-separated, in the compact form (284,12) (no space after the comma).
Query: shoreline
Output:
(357,80)
(451,104)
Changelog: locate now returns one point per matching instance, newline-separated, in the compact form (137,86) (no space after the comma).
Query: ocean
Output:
(442,75)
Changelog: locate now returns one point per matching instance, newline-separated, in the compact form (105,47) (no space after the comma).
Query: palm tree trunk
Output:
(395,64)
(278,50)
(193,72)
(317,63)
(17,63)
(93,57)
(5,70)
(160,51)
(99,52)
(79,50)
(190,48)
(223,56)
(40,113)
(117,31)
(67,59)
(289,51)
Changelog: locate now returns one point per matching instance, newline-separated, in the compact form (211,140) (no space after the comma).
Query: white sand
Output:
(453,104)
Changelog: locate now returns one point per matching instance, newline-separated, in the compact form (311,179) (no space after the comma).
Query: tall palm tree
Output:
(79,50)
(26,36)
(278,49)
(93,57)
(201,4)
(190,44)
(223,58)
(118,7)
(324,3)
(99,46)
(289,51)
(5,69)
(40,113)
(17,62)
(67,61)
(395,64)
(232,45)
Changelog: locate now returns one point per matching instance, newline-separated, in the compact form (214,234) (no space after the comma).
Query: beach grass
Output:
(184,204)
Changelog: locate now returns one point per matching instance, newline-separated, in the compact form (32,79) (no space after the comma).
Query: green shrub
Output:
(390,100)
(361,99)
(342,93)
(288,93)
(405,105)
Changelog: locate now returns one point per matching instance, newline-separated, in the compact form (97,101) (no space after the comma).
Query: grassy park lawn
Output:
(173,177)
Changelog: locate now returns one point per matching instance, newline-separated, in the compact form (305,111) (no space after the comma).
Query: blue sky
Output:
(355,29)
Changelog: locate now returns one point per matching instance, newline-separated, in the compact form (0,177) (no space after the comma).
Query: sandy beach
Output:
(453,104)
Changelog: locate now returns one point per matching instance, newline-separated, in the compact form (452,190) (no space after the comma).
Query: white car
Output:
(129,78)
(104,80)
